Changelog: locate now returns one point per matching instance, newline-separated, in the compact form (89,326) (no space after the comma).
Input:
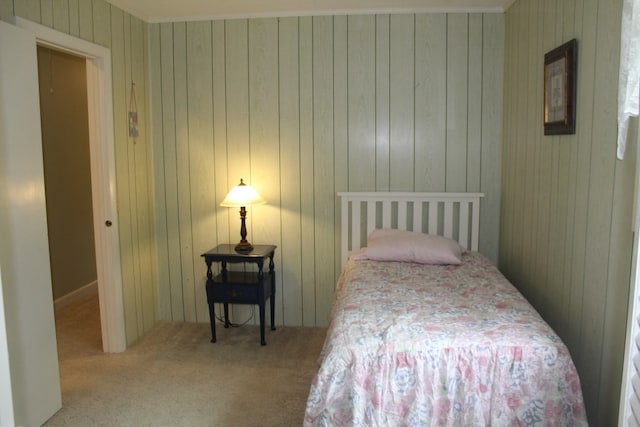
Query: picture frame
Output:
(560,89)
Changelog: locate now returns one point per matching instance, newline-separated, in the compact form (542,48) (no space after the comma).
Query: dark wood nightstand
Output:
(240,287)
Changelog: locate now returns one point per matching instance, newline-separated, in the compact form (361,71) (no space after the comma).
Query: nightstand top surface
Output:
(228,252)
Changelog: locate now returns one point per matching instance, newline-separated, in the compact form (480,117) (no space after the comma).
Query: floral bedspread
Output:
(417,345)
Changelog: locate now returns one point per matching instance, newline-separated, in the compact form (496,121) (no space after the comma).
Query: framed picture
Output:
(560,89)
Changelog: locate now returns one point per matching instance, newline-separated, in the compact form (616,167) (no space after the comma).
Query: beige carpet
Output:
(175,377)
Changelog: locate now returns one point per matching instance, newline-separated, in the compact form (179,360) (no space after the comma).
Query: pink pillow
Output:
(409,246)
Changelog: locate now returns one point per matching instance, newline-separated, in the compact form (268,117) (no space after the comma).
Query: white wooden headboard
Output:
(453,215)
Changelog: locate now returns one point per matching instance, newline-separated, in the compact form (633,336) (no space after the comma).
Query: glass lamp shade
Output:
(242,195)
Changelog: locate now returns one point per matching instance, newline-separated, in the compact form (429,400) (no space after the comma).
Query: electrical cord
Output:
(236,325)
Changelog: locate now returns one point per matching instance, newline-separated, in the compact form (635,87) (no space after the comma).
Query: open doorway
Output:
(67,178)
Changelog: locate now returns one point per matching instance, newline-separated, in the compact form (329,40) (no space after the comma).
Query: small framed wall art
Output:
(560,89)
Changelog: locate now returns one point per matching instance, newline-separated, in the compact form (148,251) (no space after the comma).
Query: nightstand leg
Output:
(262,341)
(272,299)
(212,319)
(226,315)
(212,312)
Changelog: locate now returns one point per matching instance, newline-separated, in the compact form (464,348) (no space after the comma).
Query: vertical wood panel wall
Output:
(99,22)
(305,107)
(566,230)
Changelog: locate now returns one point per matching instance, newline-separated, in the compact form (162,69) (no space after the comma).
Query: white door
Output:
(24,250)
(629,411)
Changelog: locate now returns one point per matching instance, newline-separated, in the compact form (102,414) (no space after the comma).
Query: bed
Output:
(417,338)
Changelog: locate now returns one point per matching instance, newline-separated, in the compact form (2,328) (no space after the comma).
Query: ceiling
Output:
(192,10)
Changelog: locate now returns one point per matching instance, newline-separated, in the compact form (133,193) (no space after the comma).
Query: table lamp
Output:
(242,195)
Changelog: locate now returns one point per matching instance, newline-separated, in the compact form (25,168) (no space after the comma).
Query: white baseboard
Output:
(79,294)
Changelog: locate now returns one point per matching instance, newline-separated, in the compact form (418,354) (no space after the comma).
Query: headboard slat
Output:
(475,225)
(448,219)
(402,215)
(463,228)
(417,216)
(386,214)
(459,216)
(344,219)
(433,218)
(355,221)
(371,216)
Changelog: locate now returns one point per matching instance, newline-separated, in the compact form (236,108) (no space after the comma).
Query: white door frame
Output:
(103,176)
(628,392)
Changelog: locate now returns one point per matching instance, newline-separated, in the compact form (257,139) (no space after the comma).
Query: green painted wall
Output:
(566,229)
(305,107)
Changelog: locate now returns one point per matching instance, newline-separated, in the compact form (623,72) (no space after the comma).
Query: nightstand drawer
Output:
(234,293)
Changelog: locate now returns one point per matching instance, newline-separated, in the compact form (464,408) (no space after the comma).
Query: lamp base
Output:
(244,247)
